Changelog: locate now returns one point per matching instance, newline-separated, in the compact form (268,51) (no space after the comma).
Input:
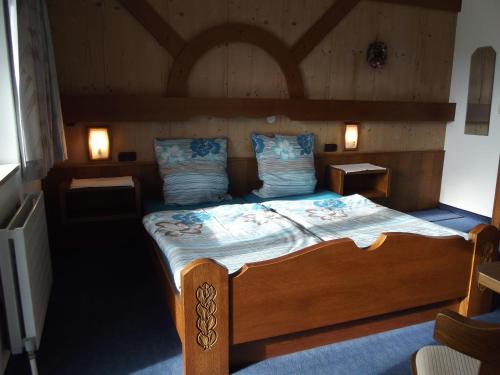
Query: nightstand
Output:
(368,180)
(100,204)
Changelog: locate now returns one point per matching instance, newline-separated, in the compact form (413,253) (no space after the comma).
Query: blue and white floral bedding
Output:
(355,217)
(229,234)
(242,233)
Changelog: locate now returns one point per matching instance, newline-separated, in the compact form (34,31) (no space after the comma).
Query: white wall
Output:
(471,162)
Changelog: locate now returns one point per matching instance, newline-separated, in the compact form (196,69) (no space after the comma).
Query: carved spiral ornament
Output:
(206,321)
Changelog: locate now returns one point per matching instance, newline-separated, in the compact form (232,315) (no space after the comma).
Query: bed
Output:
(318,287)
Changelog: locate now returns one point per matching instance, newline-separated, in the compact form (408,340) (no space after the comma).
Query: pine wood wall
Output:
(100,48)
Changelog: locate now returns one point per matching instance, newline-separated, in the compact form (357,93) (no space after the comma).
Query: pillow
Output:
(193,170)
(285,164)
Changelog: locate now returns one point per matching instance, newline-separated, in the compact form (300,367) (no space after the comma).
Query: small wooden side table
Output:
(489,276)
(371,184)
(100,204)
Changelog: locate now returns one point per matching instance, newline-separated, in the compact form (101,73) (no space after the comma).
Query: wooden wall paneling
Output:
(165,34)
(134,61)
(351,77)
(403,53)
(227,33)
(322,27)
(423,136)
(317,65)
(252,72)
(381,88)
(267,81)
(209,77)
(430,170)
(83,70)
(190,17)
(438,42)
(116,66)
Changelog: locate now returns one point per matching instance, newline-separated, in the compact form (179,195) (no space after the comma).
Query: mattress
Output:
(236,234)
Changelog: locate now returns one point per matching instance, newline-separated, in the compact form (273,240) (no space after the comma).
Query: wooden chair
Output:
(471,347)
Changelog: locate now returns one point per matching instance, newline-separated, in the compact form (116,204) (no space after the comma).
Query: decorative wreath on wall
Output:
(376,55)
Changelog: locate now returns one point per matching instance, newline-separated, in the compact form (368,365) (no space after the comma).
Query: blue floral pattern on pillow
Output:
(284,149)
(306,143)
(193,170)
(285,165)
(258,144)
(203,147)
(171,155)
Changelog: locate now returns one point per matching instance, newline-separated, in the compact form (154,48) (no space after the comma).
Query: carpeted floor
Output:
(107,316)
(452,217)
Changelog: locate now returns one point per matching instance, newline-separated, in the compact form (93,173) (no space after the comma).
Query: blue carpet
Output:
(464,224)
(107,315)
(436,214)
(451,217)
(385,353)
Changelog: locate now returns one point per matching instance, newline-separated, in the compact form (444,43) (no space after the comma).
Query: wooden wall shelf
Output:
(137,108)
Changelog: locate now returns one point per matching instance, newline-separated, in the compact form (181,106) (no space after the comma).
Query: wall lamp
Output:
(99,145)
(351,136)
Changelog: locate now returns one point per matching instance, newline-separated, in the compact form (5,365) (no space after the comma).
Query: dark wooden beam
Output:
(446,5)
(327,22)
(108,108)
(155,25)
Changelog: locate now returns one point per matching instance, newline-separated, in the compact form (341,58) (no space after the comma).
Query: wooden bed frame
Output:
(326,293)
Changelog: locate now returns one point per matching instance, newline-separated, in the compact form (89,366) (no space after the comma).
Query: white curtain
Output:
(41,129)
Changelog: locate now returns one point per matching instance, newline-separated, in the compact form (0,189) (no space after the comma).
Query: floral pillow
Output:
(193,170)
(285,164)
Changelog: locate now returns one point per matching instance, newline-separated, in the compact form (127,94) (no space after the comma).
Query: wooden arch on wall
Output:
(230,33)
(177,105)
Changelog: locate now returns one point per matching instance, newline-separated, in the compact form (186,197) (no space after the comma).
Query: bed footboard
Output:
(332,284)
(204,296)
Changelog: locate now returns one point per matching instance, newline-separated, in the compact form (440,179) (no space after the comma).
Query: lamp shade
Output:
(98,138)
(351,137)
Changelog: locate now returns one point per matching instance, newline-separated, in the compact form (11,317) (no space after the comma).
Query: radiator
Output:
(26,273)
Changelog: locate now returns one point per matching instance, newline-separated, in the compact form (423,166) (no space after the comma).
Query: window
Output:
(9,149)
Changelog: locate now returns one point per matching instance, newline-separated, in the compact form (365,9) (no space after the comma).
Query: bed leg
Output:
(486,241)
(204,295)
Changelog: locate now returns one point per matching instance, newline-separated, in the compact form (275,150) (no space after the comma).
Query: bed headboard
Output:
(416,175)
